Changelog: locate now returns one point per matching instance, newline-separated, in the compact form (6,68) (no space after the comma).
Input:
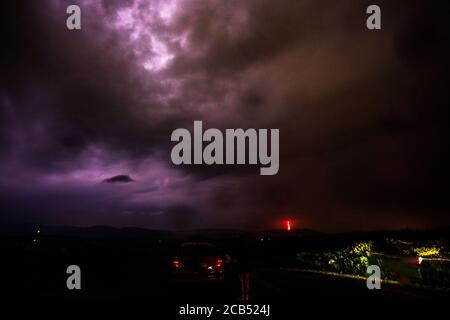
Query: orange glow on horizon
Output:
(288,225)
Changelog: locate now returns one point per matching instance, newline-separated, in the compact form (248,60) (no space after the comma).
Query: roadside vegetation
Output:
(422,263)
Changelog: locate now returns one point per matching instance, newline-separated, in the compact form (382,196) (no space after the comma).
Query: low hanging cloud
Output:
(122,178)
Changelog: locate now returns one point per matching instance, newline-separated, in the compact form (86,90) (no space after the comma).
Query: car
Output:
(198,260)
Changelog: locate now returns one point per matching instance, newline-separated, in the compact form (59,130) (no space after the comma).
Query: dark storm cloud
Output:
(362,115)
(122,178)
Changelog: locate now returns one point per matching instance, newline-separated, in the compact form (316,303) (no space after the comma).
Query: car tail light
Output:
(176,263)
(219,263)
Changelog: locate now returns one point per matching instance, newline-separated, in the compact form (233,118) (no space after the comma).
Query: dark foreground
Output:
(138,268)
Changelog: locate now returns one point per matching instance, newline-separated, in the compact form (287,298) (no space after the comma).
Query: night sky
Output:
(86,116)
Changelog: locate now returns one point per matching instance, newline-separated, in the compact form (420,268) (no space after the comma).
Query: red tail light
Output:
(176,263)
(219,263)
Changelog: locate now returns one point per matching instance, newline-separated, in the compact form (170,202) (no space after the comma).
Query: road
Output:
(275,284)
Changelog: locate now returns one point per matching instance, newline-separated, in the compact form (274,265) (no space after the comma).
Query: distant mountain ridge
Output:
(137,232)
(94,231)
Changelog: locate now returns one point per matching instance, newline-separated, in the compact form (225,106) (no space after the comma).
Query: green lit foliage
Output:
(430,248)
(427,251)
(396,263)
(353,259)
